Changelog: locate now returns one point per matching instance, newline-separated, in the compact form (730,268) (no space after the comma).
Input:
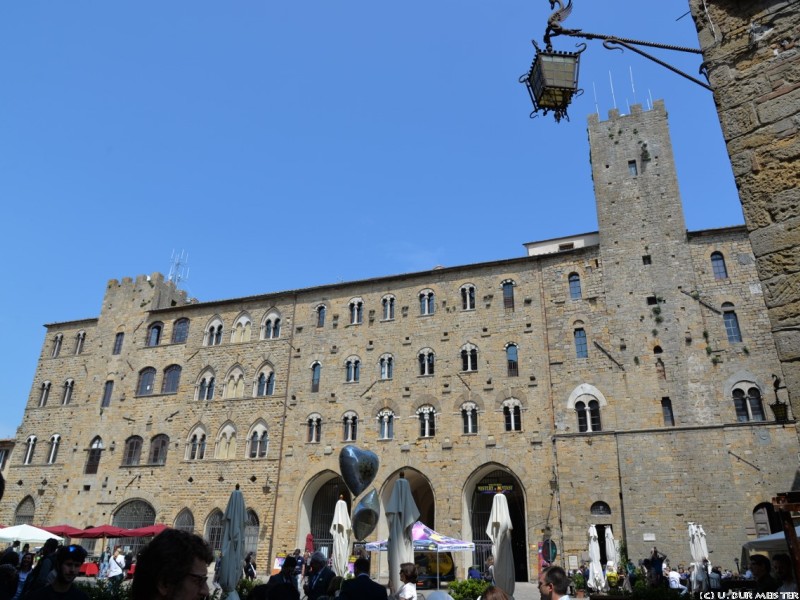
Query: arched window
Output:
(80,338)
(356,311)
(108,393)
(180,331)
(766,520)
(57,341)
(426,361)
(251,527)
(30,446)
(258,442)
(66,397)
(350,426)
(731,323)
(226,442)
(213,333)
(185,521)
(588,415)
(241,330)
(512,360)
(352,369)
(172,379)
(321,310)
(314,428)
(234,388)
(387,306)
(265,384)
(600,509)
(205,388)
(386,364)
(469,417)
(44,393)
(147,378)
(427,421)
(386,424)
(119,339)
(272,327)
(93,458)
(468,297)
(26,511)
(574,286)
(512,414)
(52,455)
(196,446)
(508,294)
(718,266)
(427,302)
(133,451)
(214,526)
(154,333)
(581,346)
(469,357)
(158,450)
(748,404)
(316,372)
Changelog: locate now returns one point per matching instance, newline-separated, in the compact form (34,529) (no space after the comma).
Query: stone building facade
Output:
(752,56)
(620,378)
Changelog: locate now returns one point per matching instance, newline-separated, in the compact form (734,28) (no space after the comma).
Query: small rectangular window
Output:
(666,410)
(632,168)
(567,246)
(652,301)
(646,260)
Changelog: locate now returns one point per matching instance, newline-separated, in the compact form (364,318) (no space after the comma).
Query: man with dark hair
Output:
(40,576)
(281,586)
(760,567)
(320,577)
(174,566)
(553,583)
(361,587)
(68,562)
(782,565)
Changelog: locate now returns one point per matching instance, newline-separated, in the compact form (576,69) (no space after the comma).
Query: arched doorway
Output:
(421,491)
(480,502)
(318,506)
(132,515)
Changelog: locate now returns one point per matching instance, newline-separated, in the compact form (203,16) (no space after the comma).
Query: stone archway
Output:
(317,507)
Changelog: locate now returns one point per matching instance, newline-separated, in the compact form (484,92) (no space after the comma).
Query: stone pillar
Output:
(752,54)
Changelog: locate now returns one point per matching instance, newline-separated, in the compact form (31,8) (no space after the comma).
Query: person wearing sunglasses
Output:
(553,584)
(174,566)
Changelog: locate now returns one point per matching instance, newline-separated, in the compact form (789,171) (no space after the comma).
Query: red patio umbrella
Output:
(64,530)
(103,531)
(146,531)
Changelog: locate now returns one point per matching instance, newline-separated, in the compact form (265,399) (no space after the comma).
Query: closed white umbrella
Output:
(230,568)
(699,551)
(341,530)
(499,531)
(401,514)
(597,581)
(611,549)
(26,534)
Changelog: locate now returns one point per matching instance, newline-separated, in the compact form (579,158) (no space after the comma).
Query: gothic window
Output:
(241,330)
(731,323)
(356,311)
(718,265)
(205,388)
(352,369)
(180,331)
(469,417)
(118,340)
(574,286)
(272,326)
(213,333)
(30,446)
(386,364)
(234,387)
(214,527)
(588,416)
(57,341)
(426,361)
(427,301)
(265,385)
(80,338)
(666,411)
(258,442)
(469,358)
(93,458)
(196,446)
(67,396)
(185,521)
(52,455)
(316,372)
(386,424)
(172,379)
(154,333)
(350,426)
(314,428)
(468,297)
(321,315)
(133,451)
(748,404)
(512,360)
(251,527)
(508,294)
(387,306)
(44,393)
(512,414)
(26,510)
(158,450)
(427,421)
(581,346)
(147,378)
(226,442)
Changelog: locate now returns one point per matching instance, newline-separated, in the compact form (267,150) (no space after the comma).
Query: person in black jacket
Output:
(281,586)
(361,587)
(320,577)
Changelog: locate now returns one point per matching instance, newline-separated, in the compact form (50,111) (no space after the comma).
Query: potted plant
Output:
(579,581)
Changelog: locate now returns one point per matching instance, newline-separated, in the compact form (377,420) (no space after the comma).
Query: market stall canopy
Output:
(26,534)
(63,530)
(770,544)
(426,540)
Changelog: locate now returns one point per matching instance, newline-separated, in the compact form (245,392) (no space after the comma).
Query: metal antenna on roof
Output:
(613,97)
(179,269)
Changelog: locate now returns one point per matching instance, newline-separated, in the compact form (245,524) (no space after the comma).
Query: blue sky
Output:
(286,144)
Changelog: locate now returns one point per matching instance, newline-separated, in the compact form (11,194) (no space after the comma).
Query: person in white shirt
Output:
(115,566)
(675,581)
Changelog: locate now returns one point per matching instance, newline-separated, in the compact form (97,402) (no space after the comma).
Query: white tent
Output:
(26,534)
(770,544)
